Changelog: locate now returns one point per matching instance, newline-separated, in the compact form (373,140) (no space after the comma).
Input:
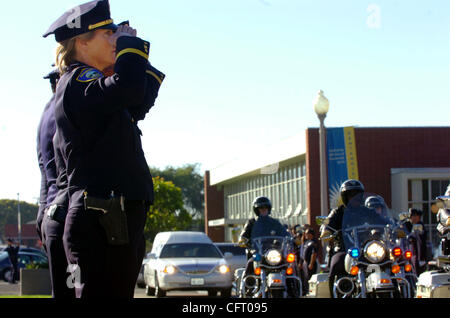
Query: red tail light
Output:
(397,252)
(289,271)
(408,254)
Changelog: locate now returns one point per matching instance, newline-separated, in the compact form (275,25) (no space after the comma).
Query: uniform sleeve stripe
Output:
(155,76)
(135,51)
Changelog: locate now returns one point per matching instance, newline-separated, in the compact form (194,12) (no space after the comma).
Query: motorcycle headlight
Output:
(375,251)
(273,257)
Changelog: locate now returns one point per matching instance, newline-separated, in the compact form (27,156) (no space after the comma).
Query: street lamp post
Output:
(19,221)
(321,106)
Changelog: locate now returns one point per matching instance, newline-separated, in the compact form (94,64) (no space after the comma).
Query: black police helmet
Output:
(349,189)
(374,201)
(260,202)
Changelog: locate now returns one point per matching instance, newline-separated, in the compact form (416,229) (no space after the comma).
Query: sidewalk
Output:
(9,289)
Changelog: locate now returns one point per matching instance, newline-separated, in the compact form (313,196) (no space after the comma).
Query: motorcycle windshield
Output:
(265,243)
(361,225)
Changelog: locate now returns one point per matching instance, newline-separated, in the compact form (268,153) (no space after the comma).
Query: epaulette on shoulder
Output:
(88,74)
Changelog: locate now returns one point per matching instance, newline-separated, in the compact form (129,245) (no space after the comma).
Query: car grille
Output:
(196,269)
(197,272)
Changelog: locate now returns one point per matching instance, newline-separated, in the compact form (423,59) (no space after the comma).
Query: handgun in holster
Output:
(113,219)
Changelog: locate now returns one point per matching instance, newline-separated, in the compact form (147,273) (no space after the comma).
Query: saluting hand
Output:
(123,30)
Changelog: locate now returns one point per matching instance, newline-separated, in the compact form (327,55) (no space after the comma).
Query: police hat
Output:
(82,19)
(53,76)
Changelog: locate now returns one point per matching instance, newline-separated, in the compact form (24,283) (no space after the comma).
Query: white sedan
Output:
(188,266)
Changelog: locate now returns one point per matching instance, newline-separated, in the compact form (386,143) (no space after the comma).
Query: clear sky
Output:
(240,74)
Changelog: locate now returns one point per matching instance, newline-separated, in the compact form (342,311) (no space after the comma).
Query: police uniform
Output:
(418,243)
(43,135)
(50,219)
(96,119)
(337,253)
(13,253)
(308,249)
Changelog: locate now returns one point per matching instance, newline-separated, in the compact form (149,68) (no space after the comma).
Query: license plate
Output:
(197,281)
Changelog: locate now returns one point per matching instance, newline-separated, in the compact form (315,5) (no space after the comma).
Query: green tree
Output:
(167,212)
(189,179)
(8,213)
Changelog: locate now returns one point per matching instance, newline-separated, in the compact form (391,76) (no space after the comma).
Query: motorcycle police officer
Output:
(263,224)
(109,184)
(351,192)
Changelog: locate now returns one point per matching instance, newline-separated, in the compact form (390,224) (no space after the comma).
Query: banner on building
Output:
(341,160)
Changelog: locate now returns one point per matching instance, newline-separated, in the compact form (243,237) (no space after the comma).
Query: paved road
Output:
(140,293)
(14,289)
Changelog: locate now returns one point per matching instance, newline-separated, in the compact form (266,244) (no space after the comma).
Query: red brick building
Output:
(29,236)
(407,166)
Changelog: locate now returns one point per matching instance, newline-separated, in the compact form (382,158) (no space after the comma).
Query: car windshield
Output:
(234,249)
(189,250)
(3,256)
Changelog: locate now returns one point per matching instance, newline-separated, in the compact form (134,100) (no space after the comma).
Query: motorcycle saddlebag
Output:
(318,286)
(433,284)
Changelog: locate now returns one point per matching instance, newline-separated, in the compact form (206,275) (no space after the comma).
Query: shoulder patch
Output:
(88,75)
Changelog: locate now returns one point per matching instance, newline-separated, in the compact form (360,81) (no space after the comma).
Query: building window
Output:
(421,194)
(286,189)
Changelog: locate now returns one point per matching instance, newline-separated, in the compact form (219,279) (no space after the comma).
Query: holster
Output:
(113,219)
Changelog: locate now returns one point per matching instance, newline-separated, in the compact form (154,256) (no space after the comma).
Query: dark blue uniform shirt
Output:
(266,225)
(96,118)
(46,156)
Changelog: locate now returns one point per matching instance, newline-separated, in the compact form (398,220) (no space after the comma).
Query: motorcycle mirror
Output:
(403,216)
(322,220)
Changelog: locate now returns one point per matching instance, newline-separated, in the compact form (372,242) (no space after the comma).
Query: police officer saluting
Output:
(109,184)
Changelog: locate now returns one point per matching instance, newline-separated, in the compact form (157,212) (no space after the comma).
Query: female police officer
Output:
(109,182)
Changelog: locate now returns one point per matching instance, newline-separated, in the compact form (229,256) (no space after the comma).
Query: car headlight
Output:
(273,257)
(169,269)
(375,251)
(223,269)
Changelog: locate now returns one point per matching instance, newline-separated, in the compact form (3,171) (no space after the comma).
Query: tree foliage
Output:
(167,212)
(8,213)
(190,181)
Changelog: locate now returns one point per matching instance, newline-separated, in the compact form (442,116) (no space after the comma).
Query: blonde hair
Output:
(66,51)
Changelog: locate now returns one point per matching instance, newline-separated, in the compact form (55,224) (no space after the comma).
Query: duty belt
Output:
(103,205)
(113,219)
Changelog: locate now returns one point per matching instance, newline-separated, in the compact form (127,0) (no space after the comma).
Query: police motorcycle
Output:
(405,247)
(436,283)
(368,239)
(275,267)
(403,276)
